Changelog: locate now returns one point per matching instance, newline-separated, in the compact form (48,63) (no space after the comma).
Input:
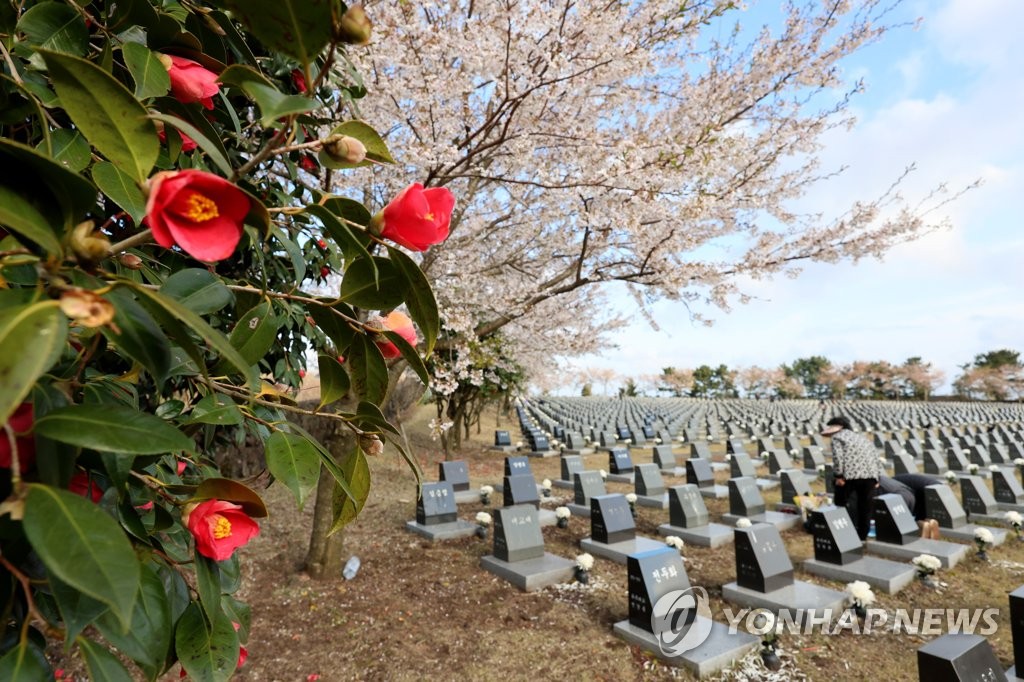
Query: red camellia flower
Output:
(199,211)
(299,80)
(21,422)
(219,528)
(417,217)
(308,164)
(187,143)
(190,81)
(402,325)
(82,484)
(182,465)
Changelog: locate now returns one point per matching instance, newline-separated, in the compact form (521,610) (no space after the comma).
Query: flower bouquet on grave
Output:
(675,542)
(584,562)
(483,523)
(743,522)
(984,539)
(821,472)
(1019,463)
(972,469)
(604,474)
(562,515)
(769,654)
(994,468)
(545,487)
(861,597)
(631,498)
(952,479)
(926,565)
(1016,522)
(485,494)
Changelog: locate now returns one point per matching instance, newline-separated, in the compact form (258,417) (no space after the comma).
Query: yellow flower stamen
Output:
(200,208)
(222,528)
(429,217)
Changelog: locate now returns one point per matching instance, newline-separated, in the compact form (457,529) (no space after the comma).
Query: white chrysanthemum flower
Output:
(743,522)
(604,474)
(972,468)
(585,561)
(519,443)
(994,467)
(657,441)
(562,513)
(546,483)
(764,454)
(794,452)
(675,542)
(631,498)
(984,535)
(821,468)
(711,439)
(861,593)
(1014,518)
(483,518)
(951,476)
(926,563)
(1019,462)
(486,489)
(728,458)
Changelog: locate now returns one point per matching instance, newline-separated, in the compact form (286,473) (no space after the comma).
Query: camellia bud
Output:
(371,445)
(354,27)
(89,245)
(344,149)
(130,261)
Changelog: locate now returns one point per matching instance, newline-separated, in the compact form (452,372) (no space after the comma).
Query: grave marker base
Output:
(579,510)
(966,533)
(718,651)
(544,453)
(499,488)
(778,519)
(888,576)
(1011,675)
(503,448)
(531,574)
(715,492)
(677,471)
(559,483)
(948,553)
(653,501)
(581,451)
(442,531)
(620,551)
(767,484)
(711,535)
(786,508)
(802,599)
(467,496)
(620,478)
(546,516)
(1007,506)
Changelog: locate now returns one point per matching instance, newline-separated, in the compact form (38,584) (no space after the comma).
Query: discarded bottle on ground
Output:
(351,568)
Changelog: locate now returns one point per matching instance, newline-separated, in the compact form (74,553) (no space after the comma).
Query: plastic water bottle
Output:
(871,529)
(351,568)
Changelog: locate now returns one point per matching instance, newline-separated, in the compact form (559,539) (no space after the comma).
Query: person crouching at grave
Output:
(911,488)
(857,469)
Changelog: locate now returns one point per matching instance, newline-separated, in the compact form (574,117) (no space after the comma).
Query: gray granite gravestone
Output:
(570,464)
(586,484)
(436,514)
(698,472)
(649,487)
(813,458)
(958,657)
(934,463)
(902,463)
(778,460)
(942,505)
(688,519)
(897,535)
(734,446)
(521,489)
(612,530)
(502,439)
(700,450)
(956,460)
(741,465)
(620,465)
(1007,490)
(457,473)
(666,460)
(515,466)
(978,500)
(576,444)
(764,579)
(745,501)
(663,617)
(519,555)
(540,446)
(793,483)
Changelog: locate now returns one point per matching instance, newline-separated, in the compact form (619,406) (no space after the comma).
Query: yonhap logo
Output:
(675,624)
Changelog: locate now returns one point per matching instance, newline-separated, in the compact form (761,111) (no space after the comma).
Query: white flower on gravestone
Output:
(983,536)
(629,441)
(546,484)
(604,474)
(631,498)
(972,468)
(674,541)
(764,454)
(562,513)
(657,441)
(821,468)
(951,476)
(585,562)
(728,457)
(1019,462)
(1014,519)
(519,443)
(860,593)
(486,489)
(743,522)
(993,467)
(794,452)
(926,564)
(711,439)
(483,518)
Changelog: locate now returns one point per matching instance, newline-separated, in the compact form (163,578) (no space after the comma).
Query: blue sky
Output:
(948,97)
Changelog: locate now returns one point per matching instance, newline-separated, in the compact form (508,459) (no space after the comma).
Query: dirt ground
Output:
(419,610)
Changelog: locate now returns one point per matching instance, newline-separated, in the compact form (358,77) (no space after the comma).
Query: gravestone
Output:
(620,465)
(570,464)
(436,515)
(666,460)
(813,459)
(610,519)
(519,555)
(958,657)
(793,483)
(934,463)
(651,575)
(456,473)
(744,498)
(688,519)
(700,450)
(903,463)
(502,439)
(520,490)
(941,505)
(576,443)
(586,484)
(977,499)
(734,446)
(778,460)
(740,465)
(516,466)
(540,444)
(956,460)
(897,535)
(698,472)
(1007,490)
(835,536)
(649,487)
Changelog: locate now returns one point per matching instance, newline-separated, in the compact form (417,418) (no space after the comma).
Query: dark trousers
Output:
(858,495)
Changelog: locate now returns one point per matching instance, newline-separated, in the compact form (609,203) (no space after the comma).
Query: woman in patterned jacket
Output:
(857,471)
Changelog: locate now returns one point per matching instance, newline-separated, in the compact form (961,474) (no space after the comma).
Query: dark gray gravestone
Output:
(649,480)
(956,460)
(977,498)
(1007,490)
(779,460)
(903,463)
(540,443)
(575,441)
(740,465)
(941,505)
(586,484)
(652,575)
(517,534)
(835,537)
(436,504)
(520,489)
(813,458)
(1017,628)
(998,453)
(619,461)
(622,433)
(517,466)
(698,472)
(934,464)
(686,508)
(502,439)
(700,449)
(610,519)
(762,564)
(570,465)
(456,473)
(894,523)
(956,658)
(979,455)
(607,439)
(765,445)
(830,480)
(648,431)
(793,483)
(744,497)
(734,446)
(664,457)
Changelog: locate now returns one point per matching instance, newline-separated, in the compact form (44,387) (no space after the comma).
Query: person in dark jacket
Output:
(857,468)
(911,488)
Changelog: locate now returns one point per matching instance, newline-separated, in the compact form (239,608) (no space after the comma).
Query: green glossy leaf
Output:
(293,461)
(103,109)
(112,428)
(31,340)
(76,609)
(376,149)
(347,505)
(24,663)
(148,640)
(208,654)
(83,546)
(70,149)
(102,664)
(216,409)
(368,370)
(372,419)
(419,298)
(297,28)
(138,335)
(150,75)
(410,355)
(55,26)
(231,491)
(348,209)
(342,234)
(208,585)
(336,328)
(293,250)
(121,189)
(66,189)
(334,381)
(199,290)
(255,332)
(273,103)
(362,287)
(214,151)
(19,214)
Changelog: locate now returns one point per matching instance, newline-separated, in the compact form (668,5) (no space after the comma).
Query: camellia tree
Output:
(161,222)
